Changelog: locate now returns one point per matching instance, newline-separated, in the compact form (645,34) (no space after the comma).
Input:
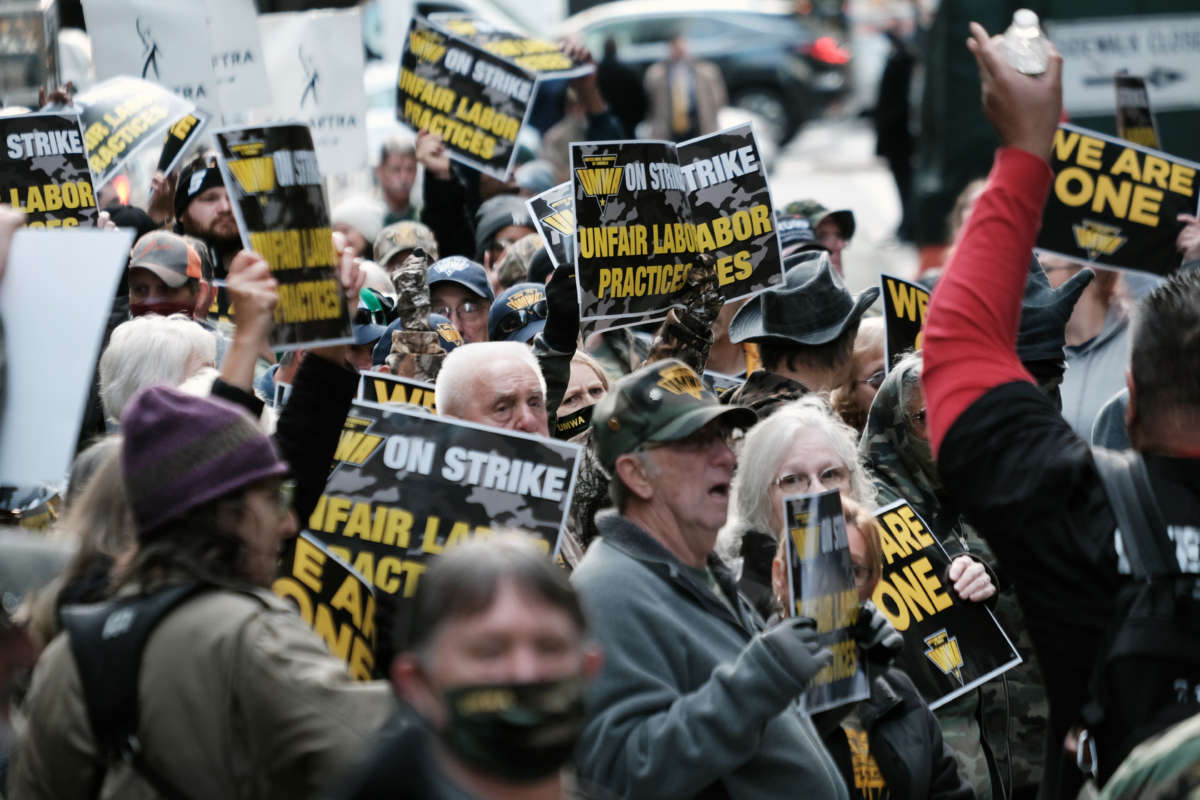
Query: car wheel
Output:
(767,104)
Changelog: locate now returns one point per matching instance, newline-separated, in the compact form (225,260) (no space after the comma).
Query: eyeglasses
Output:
(515,320)
(919,417)
(287,493)
(875,381)
(467,310)
(800,483)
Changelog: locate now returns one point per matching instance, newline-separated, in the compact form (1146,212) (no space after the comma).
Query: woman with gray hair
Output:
(801,448)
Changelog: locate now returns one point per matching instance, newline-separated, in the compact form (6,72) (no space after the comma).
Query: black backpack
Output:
(1148,677)
(107,640)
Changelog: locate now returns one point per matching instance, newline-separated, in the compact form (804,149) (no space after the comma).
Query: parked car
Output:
(783,67)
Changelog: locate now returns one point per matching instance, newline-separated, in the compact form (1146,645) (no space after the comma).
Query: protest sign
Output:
(275,189)
(538,56)
(335,601)
(554,210)
(820,580)
(633,250)
(407,485)
(235,49)
(180,137)
(1135,120)
(645,209)
(45,171)
(39,420)
(119,117)
(950,645)
(163,41)
(387,389)
(904,305)
(315,65)
(731,208)
(1114,204)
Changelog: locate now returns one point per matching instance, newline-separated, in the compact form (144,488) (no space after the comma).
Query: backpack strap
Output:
(1143,530)
(107,640)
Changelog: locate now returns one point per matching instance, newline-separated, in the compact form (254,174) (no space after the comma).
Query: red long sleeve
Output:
(970,334)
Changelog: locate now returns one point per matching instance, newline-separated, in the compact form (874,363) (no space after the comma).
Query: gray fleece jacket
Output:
(690,702)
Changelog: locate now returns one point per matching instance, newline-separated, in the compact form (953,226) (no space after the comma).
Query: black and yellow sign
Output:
(1114,203)
(45,170)
(1135,120)
(473,85)
(336,602)
(644,210)
(120,116)
(407,485)
(179,139)
(386,389)
(554,210)
(820,579)
(904,306)
(276,190)
(950,645)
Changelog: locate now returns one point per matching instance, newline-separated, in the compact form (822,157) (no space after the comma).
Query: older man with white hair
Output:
(494,383)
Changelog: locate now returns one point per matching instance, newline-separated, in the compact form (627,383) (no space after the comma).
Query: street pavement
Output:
(834,161)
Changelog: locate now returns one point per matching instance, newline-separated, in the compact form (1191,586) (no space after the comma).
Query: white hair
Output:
(765,447)
(149,350)
(200,385)
(461,366)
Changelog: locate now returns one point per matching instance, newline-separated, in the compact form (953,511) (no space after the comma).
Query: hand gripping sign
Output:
(950,645)
(820,581)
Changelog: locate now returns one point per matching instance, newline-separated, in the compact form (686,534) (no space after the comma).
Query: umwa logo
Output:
(680,380)
(943,651)
(562,218)
(1098,239)
(599,177)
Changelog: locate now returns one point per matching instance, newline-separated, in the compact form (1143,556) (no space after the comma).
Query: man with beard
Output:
(203,210)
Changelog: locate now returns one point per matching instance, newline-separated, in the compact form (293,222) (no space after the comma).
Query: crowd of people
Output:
(659,656)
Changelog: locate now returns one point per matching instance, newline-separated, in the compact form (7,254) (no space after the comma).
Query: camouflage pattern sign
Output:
(820,580)
(1114,203)
(45,171)
(387,389)
(904,305)
(336,602)
(180,138)
(554,210)
(1135,120)
(539,56)
(275,188)
(476,101)
(119,117)
(407,485)
(950,645)
(731,207)
(633,246)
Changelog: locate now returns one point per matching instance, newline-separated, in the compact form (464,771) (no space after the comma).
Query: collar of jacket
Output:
(882,700)
(636,543)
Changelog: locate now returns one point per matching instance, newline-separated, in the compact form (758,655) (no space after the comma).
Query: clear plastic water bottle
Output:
(1025,44)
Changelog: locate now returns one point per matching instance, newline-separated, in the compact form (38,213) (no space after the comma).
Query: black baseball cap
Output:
(518,314)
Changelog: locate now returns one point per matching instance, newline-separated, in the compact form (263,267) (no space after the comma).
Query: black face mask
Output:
(516,731)
(163,307)
(577,423)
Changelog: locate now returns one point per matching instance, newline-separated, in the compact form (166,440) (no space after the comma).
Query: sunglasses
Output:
(515,320)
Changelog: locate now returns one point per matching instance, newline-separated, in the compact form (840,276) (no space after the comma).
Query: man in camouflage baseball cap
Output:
(659,403)
(396,241)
